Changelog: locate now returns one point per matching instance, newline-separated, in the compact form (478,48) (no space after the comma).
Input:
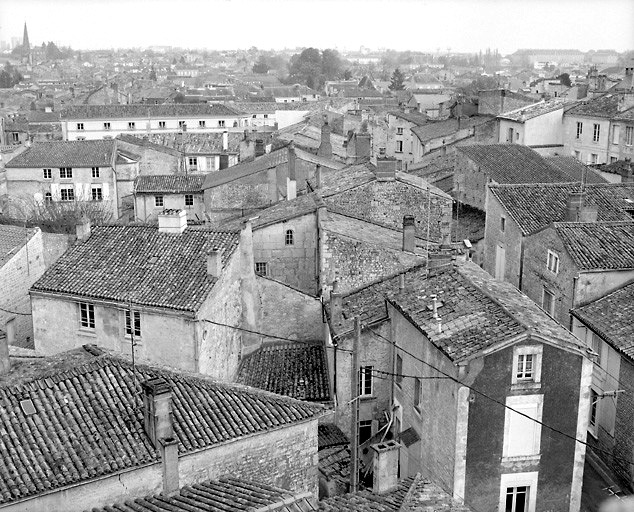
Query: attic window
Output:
(27,407)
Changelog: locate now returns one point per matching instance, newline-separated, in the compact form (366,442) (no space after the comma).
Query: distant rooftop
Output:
(76,153)
(80,112)
(530,111)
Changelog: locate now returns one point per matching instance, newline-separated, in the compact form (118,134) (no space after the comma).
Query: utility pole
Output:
(354,416)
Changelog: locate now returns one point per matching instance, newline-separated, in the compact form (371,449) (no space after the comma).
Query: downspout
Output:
(574,292)
(521,261)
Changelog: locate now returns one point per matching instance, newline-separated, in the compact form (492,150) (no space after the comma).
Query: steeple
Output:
(25,39)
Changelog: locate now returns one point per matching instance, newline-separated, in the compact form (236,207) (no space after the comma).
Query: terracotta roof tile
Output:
(603,106)
(535,206)
(575,169)
(367,501)
(297,370)
(88,422)
(12,239)
(611,318)
(530,111)
(169,184)
(76,153)
(79,112)
(130,263)
(330,435)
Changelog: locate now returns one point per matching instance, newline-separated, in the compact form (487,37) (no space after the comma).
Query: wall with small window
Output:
(588,136)
(148,206)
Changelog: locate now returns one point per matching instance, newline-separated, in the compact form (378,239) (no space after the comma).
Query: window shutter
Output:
(105,191)
(523,431)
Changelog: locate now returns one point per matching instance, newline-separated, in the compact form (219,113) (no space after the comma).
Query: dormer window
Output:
(527,365)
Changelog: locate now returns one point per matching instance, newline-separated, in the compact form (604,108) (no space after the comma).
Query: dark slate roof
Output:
(117,263)
(75,153)
(435,129)
(477,311)
(329,435)
(169,184)
(513,163)
(88,422)
(598,245)
(298,370)
(367,501)
(227,494)
(575,169)
(611,318)
(535,206)
(603,106)
(12,239)
(80,112)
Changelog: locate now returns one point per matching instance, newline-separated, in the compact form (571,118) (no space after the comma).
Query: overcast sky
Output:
(462,25)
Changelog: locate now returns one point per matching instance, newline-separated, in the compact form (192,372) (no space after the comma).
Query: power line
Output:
(495,400)
(14,312)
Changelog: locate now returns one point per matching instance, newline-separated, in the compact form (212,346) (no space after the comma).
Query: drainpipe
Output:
(521,261)
(574,292)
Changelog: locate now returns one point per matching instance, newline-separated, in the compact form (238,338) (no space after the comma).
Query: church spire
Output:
(25,39)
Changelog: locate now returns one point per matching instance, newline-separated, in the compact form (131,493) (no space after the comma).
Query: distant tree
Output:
(53,52)
(313,68)
(565,79)
(9,76)
(182,60)
(331,65)
(153,74)
(481,83)
(261,65)
(174,60)
(347,75)
(179,97)
(397,82)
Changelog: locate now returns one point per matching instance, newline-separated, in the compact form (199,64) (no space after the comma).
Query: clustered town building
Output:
(224,292)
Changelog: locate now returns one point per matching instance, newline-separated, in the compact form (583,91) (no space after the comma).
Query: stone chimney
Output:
(627,173)
(291,180)
(225,141)
(157,409)
(82,228)
(259,148)
(409,233)
(336,304)
(325,146)
(386,169)
(248,288)
(385,466)
(363,145)
(574,204)
(214,262)
(169,461)
(588,213)
(172,221)
(5,363)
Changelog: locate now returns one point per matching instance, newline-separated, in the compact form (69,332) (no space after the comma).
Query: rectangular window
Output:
(517,499)
(95,193)
(201,124)
(254,116)
(189,200)
(522,430)
(365,381)
(106,126)
(527,365)
(596,347)
(48,174)
(417,393)
(509,135)
(596,132)
(594,405)
(594,158)
(553,262)
(137,323)
(365,431)
(518,492)
(502,224)
(95,172)
(399,146)
(629,135)
(182,124)
(67,194)
(548,302)
(131,126)
(579,129)
(193,161)
(161,124)
(86,316)
(221,124)
(399,131)
(65,172)
(158,201)
(80,126)
(266,116)
(382,151)
(613,159)
(399,370)
(524,367)
(260,268)
(616,131)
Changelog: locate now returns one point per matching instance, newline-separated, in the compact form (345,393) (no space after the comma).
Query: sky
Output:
(419,25)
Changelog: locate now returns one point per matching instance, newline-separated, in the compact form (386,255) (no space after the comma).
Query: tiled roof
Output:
(76,153)
(575,169)
(367,501)
(329,435)
(334,464)
(611,318)
(79,112)
(598,245)
(203,143)
(413,117)
(130,263)
(169,184)
(534,206)
(627,115)
(348,177)
(436,129)
(267,106)
(424,495)
(297,370)
(603,106)
(530,111)
(307,136)
(224,495)
(477,311)
(12,239)
(88,422)
(513,163)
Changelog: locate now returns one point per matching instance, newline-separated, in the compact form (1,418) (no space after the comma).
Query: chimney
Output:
(627,173)
(169,461)
(214,263)
(439,259)
(318,176)
(82,228)
(291,180)
(385,466)
(363,145)
(386,169)
(225,141)
(249,290)
(325,146)
(172,221)
(574,204)
(626,101)
(157,409)
(401,282)
(259,148)
(336,304)
(588,213)
(5,363)
(409,233)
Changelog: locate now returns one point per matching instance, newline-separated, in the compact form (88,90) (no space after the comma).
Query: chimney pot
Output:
(385,465)
(409,233)
(214,263)
(169,461)
(82,228)
(401,282)
(325,146)
(172,221)
(157,409)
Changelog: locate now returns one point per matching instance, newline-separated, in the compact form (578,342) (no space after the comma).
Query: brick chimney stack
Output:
(214,263)
(409,233)
(574,205)
(157,409)
(325,146)
(627,172)
(385,466)
(291,180)
(259,148)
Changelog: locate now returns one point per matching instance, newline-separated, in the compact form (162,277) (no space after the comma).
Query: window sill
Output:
(366,398)
(524,386)
(87,332)
(522,458)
